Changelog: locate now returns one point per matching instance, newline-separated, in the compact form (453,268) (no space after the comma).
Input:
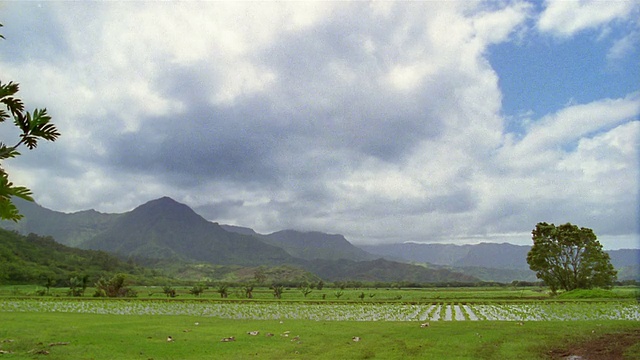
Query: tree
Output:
(33,127)
(169,291)
(223,290)
(197,289)
(306,290)
(76,287)
(567,257)
(114,287)
(277,290)
(248,291)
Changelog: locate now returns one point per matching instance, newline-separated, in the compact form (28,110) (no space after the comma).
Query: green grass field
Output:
(58,327)
(88,336)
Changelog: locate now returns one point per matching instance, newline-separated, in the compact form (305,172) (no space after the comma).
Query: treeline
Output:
(357,285)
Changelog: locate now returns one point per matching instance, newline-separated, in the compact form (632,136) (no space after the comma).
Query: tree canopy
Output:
(33,126)
(567,257)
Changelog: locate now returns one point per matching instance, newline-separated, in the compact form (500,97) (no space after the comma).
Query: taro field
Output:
(445,311)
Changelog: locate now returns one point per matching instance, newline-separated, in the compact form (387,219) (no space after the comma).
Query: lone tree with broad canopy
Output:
(33,127)
(567,257)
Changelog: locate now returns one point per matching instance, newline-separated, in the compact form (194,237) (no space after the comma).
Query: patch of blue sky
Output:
(541,75)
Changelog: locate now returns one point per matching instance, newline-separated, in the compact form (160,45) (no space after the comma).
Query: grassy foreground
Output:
(89,336)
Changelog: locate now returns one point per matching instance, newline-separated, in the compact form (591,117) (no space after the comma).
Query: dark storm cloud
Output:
(207,143)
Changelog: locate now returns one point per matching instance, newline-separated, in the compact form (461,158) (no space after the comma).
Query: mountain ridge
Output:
(158,229)
(166,229)
(310,245)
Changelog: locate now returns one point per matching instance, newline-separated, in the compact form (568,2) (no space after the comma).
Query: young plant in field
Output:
(114,287)
(197,290)
(223,290)
(306,291)
(169,291)
(277,291)
(76,287)
(248,291)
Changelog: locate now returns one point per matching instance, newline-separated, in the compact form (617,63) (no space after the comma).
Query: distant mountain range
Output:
(309,245)
(165,229)
(168,230)
(491,261)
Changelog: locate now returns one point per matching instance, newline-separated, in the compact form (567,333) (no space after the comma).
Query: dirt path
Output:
(603,347)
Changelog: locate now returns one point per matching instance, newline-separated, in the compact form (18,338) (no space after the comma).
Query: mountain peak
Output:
(163,202)
(166,207)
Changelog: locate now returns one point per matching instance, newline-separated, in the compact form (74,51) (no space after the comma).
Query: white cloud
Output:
(546,137)
(380,121)
(564,18)
(497,26)
(579,165)
(623,46)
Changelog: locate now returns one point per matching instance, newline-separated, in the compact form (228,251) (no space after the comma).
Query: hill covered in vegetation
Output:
(34,259)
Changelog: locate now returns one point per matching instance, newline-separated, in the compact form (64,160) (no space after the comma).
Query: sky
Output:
(437,121)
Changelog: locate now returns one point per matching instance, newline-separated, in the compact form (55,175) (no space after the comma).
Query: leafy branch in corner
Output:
(33,127)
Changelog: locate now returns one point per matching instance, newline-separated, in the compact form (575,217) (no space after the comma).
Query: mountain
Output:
(625,257)
(68,229)
(166,229)
(490,261)
(489,255)
(309,245)
(385,271)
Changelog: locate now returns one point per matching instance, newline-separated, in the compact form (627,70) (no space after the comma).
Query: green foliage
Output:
(77,285)
(223,290)
(567,257)
(169,291)
(114,287)
(197,289)
(305,290)
(33,127)
(248,291)
(34,259)
(277,291)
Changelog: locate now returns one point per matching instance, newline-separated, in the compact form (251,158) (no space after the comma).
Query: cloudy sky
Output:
(456,122)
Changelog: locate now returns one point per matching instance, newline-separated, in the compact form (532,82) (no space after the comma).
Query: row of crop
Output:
(340,312)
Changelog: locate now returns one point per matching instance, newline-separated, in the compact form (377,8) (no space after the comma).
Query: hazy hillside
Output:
(309,245)
(166,229)
(384,270)
(68,229)
(497,256)
(32,259)
(486,260)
